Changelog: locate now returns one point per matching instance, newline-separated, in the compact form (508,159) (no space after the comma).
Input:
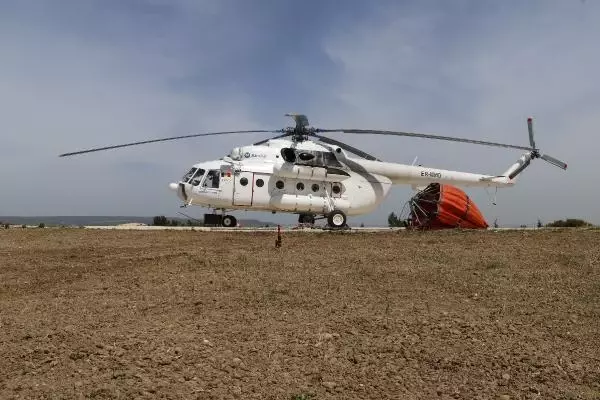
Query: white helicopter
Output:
(326,179)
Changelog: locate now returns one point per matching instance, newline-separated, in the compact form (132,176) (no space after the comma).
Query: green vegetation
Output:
(568,223)
(394,220)
(161,220)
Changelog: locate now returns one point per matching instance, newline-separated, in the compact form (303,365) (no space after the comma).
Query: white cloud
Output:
(62,93)
(88,73)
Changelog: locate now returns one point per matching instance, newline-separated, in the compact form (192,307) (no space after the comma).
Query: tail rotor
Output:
(524,161)
(530,129)
(536,153)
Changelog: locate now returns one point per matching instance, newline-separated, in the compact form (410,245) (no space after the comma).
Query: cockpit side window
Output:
(212,179)
(197,177)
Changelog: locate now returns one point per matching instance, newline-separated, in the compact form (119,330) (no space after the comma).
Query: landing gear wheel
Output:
(306,219)
(229,221)
(336,219)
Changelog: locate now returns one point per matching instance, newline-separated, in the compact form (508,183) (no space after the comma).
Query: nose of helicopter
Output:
(180,189)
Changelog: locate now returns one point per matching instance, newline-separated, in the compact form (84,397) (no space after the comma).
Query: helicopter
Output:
(301,171)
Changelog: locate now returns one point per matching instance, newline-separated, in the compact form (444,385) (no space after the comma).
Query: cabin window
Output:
(212,179)
(279,184)
(300,186)
(260,182)
(315,187)
(336,189)
(244,181)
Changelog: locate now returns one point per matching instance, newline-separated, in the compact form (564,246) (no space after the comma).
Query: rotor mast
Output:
(302,130)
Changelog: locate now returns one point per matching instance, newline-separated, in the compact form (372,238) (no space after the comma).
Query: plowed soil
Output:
(403,315)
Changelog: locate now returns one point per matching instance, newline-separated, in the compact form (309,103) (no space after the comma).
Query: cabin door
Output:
(243,189)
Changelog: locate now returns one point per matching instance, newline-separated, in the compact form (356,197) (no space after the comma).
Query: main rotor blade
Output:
(347,147)
(553,161)
(275,137)
(423,135)
(160,140)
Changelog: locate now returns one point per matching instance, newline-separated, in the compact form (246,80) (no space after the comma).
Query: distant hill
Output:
(70,220)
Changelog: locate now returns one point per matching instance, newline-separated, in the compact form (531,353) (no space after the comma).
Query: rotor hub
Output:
(301,131)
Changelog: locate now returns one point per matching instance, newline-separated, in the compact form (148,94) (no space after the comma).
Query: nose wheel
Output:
(229,221)
(336,219)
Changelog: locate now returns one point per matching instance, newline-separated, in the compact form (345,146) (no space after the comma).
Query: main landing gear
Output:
(336,219)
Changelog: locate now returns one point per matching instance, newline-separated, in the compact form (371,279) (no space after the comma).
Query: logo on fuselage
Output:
(248,155)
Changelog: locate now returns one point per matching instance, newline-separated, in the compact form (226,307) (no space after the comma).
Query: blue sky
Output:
(80,73)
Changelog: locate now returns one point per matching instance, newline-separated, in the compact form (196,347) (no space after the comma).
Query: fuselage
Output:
(306,177)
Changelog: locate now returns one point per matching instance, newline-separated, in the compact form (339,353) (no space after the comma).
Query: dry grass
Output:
(474,315)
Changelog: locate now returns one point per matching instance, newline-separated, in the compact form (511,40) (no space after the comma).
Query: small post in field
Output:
(278,241)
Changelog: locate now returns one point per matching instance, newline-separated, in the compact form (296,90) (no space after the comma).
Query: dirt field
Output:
(405,315)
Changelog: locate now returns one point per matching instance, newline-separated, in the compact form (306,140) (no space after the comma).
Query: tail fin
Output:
(518,167)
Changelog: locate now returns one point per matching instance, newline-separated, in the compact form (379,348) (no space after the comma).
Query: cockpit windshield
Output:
(187,176)
(194,176)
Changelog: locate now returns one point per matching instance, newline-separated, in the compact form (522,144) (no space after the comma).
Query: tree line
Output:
(161,220)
